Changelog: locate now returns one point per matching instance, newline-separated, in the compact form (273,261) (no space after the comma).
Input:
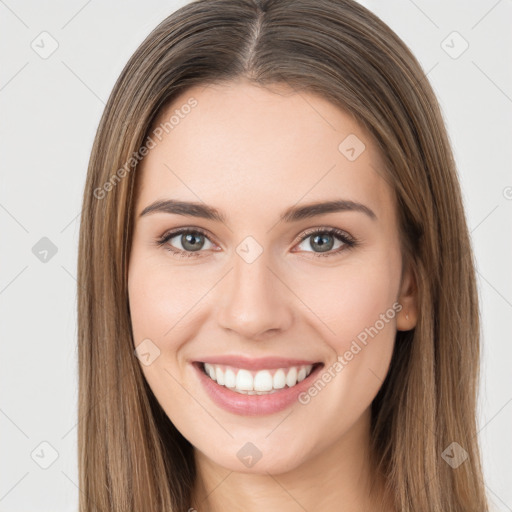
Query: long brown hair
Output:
(131,457)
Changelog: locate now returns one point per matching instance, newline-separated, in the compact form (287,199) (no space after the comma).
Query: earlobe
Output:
(405,320)
(408,315)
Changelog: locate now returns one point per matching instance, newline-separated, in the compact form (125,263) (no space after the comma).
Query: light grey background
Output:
(50,108)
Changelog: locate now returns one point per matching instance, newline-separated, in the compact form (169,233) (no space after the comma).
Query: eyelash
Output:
(349,242)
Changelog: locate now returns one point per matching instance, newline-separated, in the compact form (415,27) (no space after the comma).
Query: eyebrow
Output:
(292,214)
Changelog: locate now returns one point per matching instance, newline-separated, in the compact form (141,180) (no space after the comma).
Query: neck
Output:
(339,478)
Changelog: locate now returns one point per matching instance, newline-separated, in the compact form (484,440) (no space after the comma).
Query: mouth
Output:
(257,382)
(254,387)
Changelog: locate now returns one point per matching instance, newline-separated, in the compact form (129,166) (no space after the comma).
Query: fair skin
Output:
(252,153)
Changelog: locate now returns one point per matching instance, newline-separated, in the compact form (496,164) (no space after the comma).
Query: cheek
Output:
(160,298)
(352,297)
(361,312)
(365,307)
(355,308)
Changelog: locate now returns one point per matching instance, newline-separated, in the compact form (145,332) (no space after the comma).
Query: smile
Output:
(255,387)
(260,382)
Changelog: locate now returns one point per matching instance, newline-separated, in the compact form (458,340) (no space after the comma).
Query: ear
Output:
(408,298)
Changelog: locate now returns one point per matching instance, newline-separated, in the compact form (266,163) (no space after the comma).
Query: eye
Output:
(324,240)
(191,240)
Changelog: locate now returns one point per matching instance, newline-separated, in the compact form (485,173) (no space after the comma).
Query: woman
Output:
(277,300)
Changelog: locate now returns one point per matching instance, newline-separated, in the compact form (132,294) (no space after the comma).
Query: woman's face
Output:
(264,287)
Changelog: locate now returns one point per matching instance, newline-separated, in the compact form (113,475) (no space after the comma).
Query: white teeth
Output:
(261,382)
(219,374)
(279,380)
(244,380)
(291,378)
(211,371)
(229,378)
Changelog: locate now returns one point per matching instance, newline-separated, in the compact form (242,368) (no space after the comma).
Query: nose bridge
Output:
(253,301)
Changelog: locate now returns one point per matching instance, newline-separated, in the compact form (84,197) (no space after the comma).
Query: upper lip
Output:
(255,363)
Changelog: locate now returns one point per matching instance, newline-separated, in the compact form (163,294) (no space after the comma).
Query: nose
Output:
(254,301)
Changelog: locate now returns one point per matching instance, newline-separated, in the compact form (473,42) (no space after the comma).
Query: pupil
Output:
(187,241)
(323,245)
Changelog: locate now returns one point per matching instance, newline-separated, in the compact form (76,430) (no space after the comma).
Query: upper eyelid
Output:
(179,231)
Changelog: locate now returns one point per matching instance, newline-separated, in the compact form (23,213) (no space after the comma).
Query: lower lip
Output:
(253,405)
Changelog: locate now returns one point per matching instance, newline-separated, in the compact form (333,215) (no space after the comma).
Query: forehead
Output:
(244,148)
